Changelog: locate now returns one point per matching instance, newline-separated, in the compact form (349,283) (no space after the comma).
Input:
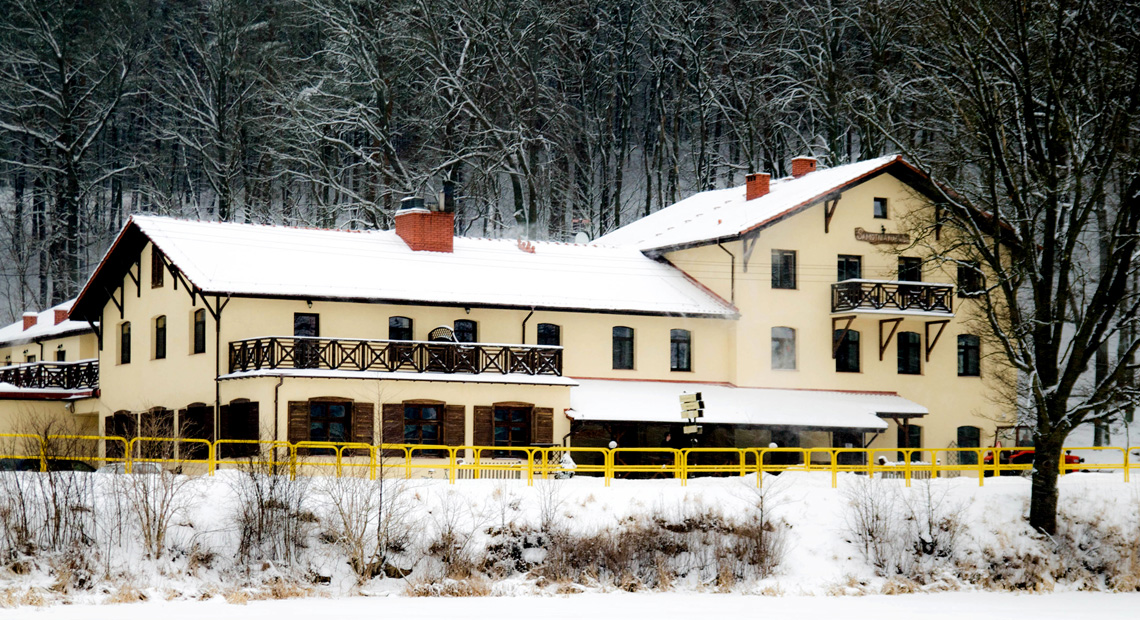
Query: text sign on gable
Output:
(881,237)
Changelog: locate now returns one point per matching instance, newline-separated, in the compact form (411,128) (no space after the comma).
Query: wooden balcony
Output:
(892,297)
(274,352)
(81,375)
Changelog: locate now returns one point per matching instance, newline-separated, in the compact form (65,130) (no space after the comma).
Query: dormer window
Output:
(881,208)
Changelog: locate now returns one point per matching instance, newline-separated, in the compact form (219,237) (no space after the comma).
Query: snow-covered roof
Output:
(487,377)
(245,259)
(724,213)
(44,328)
(655,401)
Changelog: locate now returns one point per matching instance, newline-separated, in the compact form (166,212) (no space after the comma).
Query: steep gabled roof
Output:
(377,266)
(724,214)
(44,329)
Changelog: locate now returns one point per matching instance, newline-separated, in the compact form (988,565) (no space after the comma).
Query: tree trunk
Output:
(1046,467)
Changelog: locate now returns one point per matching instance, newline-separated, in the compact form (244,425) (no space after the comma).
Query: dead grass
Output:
(471,586)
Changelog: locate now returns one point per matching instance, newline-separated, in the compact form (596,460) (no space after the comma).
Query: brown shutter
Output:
(248,427)
(225,431)
(484,426)
(454,423)
(392,430)
(299,422)
(363,417)
(542,425)
(253,422)
(114,447)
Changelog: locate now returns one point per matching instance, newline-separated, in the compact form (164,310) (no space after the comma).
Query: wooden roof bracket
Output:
(941,323)
(884,344)
(98,329)
(846,328)
(111,296)
(830,201)
(132,276)
(748,240)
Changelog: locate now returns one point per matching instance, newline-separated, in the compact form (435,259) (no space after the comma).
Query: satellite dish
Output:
(581,238)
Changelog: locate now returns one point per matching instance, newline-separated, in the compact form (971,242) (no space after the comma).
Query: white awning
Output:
(657,402)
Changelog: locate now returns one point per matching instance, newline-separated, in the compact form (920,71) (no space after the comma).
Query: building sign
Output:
(881,237)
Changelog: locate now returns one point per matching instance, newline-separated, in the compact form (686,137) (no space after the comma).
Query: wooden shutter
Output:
(114,447)
(252,422)
(542,425)
(363,418)
(299,422)
(225,431)
(484,426)
(454,424)
(392,430)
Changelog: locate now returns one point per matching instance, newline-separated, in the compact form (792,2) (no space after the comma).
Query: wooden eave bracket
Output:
(941,323)
(134,278)
(883,344)
(846,328)
(749,241)
(118,303)
(829,203)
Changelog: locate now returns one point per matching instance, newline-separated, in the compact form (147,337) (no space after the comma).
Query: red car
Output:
(1022,455)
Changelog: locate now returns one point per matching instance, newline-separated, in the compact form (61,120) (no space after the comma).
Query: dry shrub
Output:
(154,502)
(470,586)
(270,513)
(236,597)
(451,548)
(126,593)
(371,521)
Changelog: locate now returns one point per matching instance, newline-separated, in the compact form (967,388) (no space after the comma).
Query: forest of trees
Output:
(535,118)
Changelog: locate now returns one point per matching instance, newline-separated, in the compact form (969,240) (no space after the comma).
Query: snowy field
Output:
(568,548)
(946,605)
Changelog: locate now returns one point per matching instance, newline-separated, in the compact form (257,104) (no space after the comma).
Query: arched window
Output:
(199,330)
(680,350)
(910,349)
(466,331)
(399,328)
(549,335)
(783,348)
(623,348)
(847,350)
(125,343)
(969,356)
(160,338)
(969,437)
(910,436)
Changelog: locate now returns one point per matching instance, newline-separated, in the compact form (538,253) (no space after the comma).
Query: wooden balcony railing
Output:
(890,295)
(393,356)
(79,375)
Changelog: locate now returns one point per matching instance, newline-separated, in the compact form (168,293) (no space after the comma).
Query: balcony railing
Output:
(46,375)
(273,353)
(891,296)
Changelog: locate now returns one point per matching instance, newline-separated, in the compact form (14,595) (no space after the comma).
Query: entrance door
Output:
(910,270)
(307,352)
(848,439)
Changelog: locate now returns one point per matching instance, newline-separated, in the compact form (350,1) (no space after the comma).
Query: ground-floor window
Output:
(239,420)
(329,421)
(910,436)
(969,437)
(422,424)
(332,419)
(512,428)
(195,422)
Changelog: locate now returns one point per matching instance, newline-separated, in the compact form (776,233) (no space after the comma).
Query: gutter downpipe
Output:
(523,341)
(733,274)
(276,413)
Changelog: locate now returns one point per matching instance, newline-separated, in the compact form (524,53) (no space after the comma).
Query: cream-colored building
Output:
(244,332)
(49,374)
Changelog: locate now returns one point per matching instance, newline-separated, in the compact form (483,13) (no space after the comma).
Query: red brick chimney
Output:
(60,316)
(30,320)
(802,166)
(756,185)
(425,230)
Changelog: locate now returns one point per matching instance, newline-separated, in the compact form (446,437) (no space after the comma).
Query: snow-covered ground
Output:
(947,545)
(940,606)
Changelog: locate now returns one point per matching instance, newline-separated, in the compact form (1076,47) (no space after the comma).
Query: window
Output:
(549,335)
(783,269)
(399,328)
(156,268)
(910,347)
(466,331)
(422,424)
(910,269)
(910,436)
(969,356)
(160,338)
(125,343)
(306,353)
(329,421)
(680,350)
(850,267)
(969,437)
(783,348)
(847,353)
(881,208)
(969,280)
(31,359)
(60,355)
(623,348)
(199,331)
(512,428)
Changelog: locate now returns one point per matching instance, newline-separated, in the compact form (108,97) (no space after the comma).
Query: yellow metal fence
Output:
(60,452)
